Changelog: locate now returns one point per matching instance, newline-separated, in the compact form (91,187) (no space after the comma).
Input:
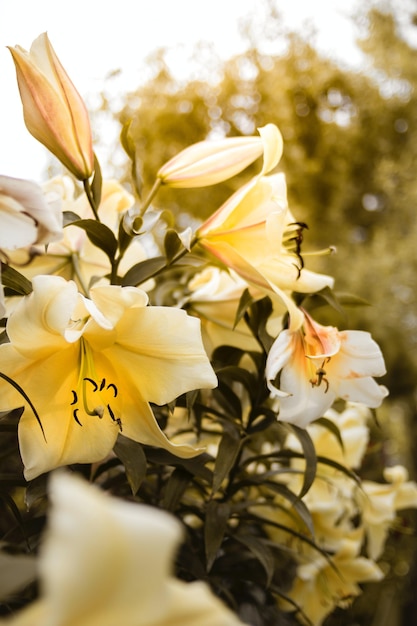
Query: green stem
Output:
(173,260)
(90,197)
(150,197)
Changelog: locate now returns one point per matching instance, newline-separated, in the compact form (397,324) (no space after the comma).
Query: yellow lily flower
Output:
(53,110)
(210,162)
(91,367)
(255,234)
(379,503)
(319,587)
(118,560)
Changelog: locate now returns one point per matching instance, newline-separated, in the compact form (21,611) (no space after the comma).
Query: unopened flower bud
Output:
(53,110)
(210,162)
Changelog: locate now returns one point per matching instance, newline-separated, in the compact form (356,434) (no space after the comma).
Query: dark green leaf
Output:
(132,456)
(172,243)
(238,374)
(228,399)
(217,516)
(329,297)
(309,455)
(331,426)
(261,552)
(14,280)
(257,317)
(175,488)
(350,299)
(245,301)
(100,235)
(124,238)
(97,182)
(341,468)
(297,504)
(226,456)
(144,270)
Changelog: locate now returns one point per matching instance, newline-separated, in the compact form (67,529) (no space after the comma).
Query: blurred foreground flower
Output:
(91,367)
(54,112)
(106,562)
(317,364)
(210,162)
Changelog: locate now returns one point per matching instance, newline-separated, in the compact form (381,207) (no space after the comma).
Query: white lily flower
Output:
(317,364)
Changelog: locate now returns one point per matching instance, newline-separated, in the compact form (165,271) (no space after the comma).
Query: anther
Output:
(74,415)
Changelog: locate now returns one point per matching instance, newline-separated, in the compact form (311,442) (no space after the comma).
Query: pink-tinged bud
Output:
(53,110)
(210,162)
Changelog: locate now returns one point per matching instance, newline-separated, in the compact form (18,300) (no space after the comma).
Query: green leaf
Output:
(195,465)
(238,374)
(297,504)
(97,182)
(261,552)
(350,299)
(14,280)
(331,426)
(144,270)
(229,448)
(175,487)
(228,400)
(256,318)
(217,516)
(244,303)
(341,468)
(100,235)
(309,455)
(172,243)
(132,456)
(124,238)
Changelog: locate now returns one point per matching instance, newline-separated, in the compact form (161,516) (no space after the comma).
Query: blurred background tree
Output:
(350,156)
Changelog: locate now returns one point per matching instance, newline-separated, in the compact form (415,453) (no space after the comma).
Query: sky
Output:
(94,37)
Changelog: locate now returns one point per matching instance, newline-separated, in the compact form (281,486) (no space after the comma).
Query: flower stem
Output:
(150,197)
(90,197)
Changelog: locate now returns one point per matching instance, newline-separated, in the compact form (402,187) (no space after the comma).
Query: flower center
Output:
(94,394)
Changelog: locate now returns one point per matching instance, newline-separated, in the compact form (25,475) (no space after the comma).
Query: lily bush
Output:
(182,429)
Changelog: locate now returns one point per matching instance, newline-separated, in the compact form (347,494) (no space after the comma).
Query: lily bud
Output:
(210,162)
(53,110)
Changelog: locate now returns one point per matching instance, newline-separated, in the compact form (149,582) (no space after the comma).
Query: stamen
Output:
(88,386)
(93,382)
(114,418)
(74,415)
(112,386)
